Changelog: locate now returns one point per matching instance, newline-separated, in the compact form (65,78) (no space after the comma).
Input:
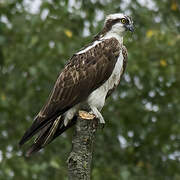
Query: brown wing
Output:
(125,60)
(82,74)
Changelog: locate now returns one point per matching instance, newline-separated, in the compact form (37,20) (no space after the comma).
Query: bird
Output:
(88,78)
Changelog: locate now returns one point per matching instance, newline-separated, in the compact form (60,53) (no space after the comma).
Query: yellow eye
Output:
(123,20)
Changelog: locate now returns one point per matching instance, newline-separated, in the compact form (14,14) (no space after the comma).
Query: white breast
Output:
(97,97)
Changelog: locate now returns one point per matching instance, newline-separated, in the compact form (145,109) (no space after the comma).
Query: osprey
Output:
(87,80)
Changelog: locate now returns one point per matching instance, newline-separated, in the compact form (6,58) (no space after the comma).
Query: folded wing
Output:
(82,75)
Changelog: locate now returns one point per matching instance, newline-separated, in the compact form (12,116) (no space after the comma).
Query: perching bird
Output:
(87,80)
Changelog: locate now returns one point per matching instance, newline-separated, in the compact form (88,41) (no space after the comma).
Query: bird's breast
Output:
(98,96)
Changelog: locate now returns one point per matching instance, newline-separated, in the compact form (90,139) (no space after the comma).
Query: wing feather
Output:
(82,74)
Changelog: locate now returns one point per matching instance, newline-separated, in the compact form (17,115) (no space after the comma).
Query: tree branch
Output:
(79,160)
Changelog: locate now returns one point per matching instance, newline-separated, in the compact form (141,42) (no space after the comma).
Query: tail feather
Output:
(43,131)
(47,135)
(63,128)
(36,146)
(52,130)
(38,124)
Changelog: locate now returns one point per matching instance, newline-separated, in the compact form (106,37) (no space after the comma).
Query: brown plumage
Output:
(81,75)
(85,73)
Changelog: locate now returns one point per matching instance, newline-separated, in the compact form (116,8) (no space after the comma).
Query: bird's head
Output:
(118,24)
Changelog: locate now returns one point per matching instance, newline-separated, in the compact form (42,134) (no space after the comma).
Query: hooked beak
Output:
(129,27)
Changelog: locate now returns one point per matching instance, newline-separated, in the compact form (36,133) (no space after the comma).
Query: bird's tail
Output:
(49,133)
(40,123)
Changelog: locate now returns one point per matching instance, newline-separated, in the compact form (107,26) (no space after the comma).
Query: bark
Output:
(80,158)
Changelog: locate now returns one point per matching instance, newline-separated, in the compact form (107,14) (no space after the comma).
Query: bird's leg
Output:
(69,115)
(97,114)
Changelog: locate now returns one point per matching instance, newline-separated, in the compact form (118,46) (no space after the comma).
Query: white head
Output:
(118,24)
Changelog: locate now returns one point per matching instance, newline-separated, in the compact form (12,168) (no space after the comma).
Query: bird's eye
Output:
(123,20)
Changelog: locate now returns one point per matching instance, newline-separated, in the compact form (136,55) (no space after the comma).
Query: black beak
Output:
(129,27)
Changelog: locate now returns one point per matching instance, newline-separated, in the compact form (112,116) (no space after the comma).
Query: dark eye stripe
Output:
(116,21)
(111,22)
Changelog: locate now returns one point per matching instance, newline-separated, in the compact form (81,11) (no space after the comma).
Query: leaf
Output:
(163,63)
(68,33)
(174,6)
(149,33)
(34,40)
(54,164)
(3,97)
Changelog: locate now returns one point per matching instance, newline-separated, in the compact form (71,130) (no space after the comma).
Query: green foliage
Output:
(142,134)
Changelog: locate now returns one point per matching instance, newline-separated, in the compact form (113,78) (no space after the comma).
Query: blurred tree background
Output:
(141,139)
